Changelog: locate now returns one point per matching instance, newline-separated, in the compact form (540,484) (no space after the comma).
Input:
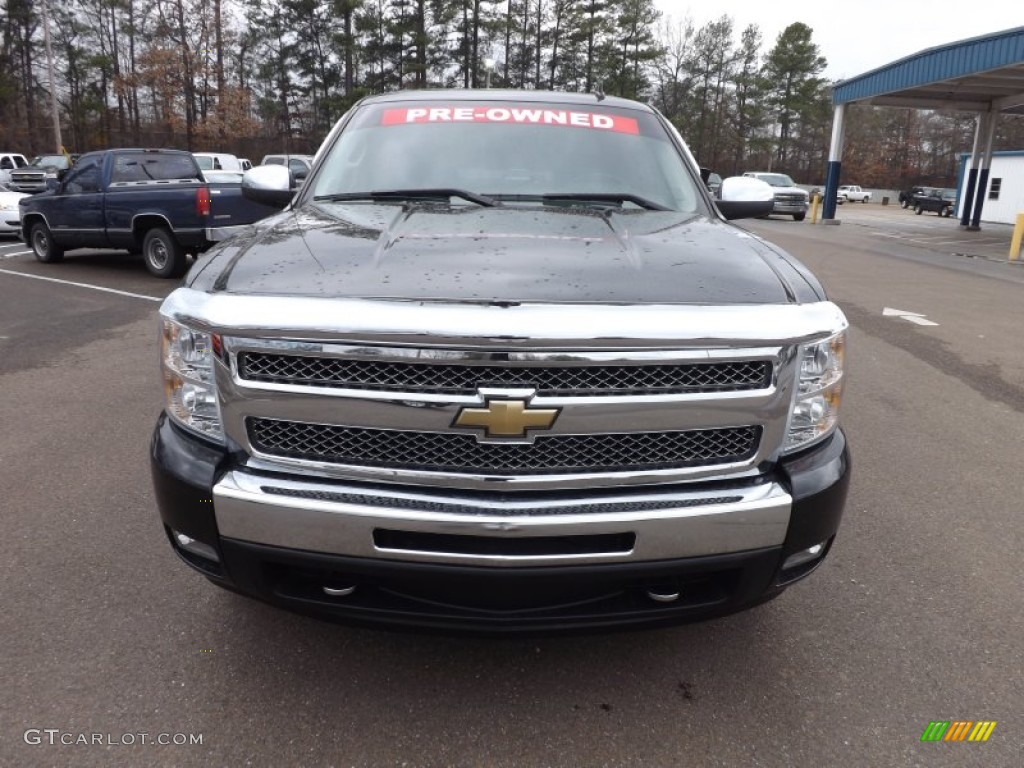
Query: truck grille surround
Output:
(453,452)
(429,378)
(639,414)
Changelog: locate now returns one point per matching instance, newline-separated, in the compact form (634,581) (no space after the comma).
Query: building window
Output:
(993,190)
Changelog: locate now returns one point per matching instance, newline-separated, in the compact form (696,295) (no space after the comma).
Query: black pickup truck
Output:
(940,201)
(907,195)
(502,365)
(149,201)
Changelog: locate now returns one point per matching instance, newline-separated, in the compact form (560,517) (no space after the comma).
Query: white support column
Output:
(835,162)
(986,164)
(972,174)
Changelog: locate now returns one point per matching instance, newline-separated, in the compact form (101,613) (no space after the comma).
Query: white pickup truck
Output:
(853,194)
(10,161)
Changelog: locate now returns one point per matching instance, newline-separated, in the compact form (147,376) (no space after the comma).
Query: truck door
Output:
(77,212)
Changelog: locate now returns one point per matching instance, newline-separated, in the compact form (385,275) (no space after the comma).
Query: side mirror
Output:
(268,184)
(52,185)
(744,197)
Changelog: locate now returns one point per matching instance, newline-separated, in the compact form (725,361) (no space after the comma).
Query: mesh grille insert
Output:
(458,378)
(451,452)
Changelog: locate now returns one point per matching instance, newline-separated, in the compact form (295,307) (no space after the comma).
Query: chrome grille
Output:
(724,376)
(451,452)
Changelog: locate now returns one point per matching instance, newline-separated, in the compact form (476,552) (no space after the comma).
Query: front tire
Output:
(799,216)
(919,210)
(905,204)
(164,256)
(43,246)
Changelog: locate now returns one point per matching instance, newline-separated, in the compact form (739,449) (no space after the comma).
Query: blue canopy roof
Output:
(977,74)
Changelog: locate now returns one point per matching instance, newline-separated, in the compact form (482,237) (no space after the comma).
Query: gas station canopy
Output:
(982,74)
(978,75)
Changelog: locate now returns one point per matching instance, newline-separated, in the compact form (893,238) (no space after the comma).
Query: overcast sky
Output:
(859,35)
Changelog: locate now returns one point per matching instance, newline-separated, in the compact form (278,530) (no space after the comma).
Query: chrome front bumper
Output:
(338,519)
(790,206)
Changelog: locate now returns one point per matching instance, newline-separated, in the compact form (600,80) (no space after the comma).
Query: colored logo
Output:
(958,730)
(506,418)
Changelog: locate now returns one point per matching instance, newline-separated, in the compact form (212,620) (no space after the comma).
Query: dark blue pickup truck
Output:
(150,201)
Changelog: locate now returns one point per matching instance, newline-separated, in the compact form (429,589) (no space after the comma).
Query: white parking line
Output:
(16,253)
(82,285)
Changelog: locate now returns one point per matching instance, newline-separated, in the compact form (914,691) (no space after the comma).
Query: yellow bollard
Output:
(1018,235)
(814,208)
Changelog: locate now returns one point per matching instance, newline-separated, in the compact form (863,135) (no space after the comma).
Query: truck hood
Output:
(790,191)
(516,254)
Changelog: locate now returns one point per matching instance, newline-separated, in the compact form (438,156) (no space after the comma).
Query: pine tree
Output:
(792,84)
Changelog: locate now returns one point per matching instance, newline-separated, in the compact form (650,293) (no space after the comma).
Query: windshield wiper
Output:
(607,197)
(411,194)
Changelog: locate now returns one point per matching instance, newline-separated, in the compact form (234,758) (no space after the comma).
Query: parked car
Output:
(32,178)
(502,364)
(907,195)
(940,201)
(10,221)
(715,185)
(10,161)
(223,177)
(853,194)
(149,201)
(217,161)
(299,165)
(789,198)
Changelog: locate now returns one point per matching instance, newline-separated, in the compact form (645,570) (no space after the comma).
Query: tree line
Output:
(258,76)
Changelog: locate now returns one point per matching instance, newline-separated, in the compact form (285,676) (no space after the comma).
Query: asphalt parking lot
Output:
(928,232)
(915,617)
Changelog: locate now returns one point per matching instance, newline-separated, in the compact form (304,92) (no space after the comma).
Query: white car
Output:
(299,165)
(853,194)
(10,219)
(217,161)
(222,177)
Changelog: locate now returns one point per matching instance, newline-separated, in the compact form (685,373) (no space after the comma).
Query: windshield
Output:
(776,179)
(58,161)
(510,152)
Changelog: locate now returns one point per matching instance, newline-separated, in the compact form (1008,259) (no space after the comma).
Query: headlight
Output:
(819,390)
(187,358)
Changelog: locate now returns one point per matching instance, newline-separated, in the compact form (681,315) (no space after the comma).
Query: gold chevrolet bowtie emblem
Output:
(506,418)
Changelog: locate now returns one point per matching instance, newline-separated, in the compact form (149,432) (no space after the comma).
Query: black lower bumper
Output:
(488,599)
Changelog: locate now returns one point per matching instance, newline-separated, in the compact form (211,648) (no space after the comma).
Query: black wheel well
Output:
(29,221)
(142,224)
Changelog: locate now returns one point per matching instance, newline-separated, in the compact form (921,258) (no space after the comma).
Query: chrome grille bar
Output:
(453,452)
(448,378)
